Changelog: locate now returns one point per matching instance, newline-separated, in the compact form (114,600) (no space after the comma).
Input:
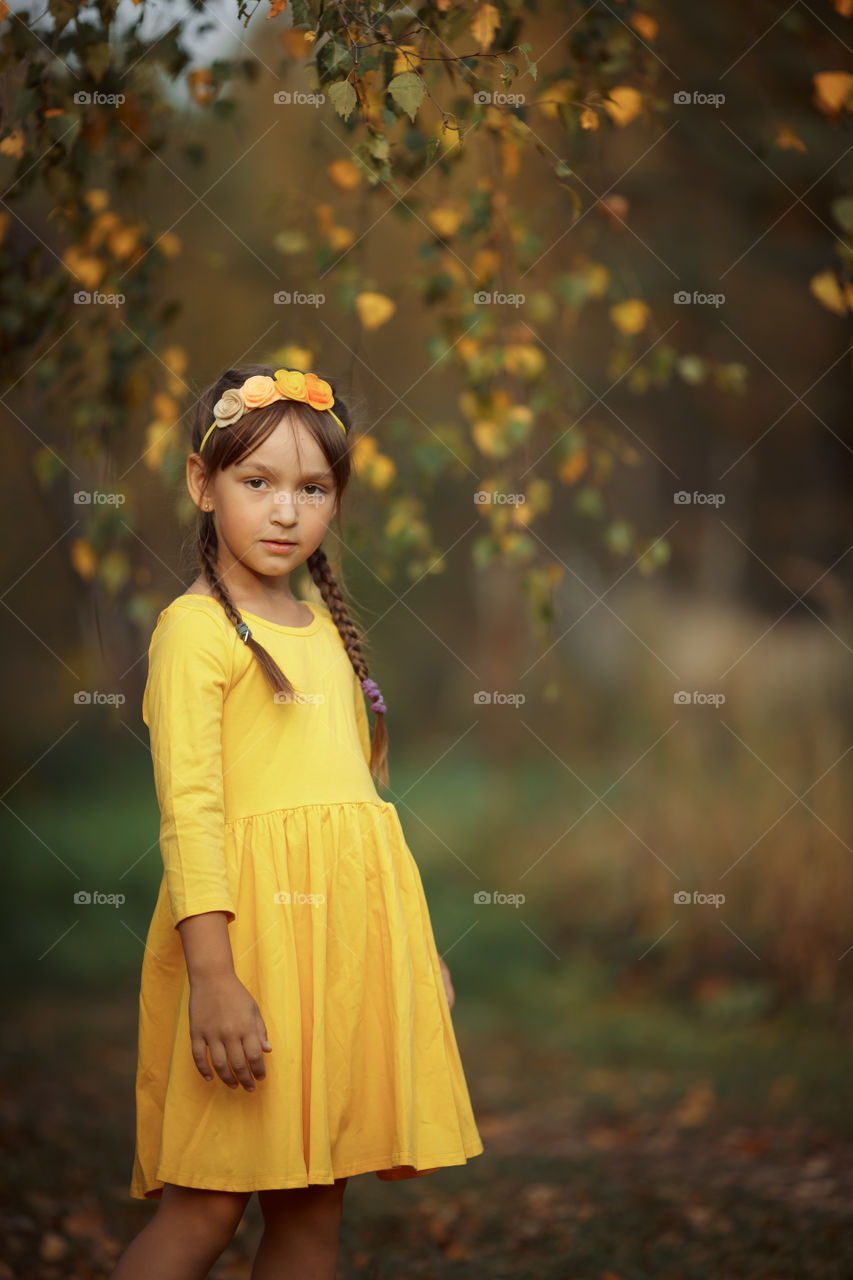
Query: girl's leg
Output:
(187,1234)
(301,1232)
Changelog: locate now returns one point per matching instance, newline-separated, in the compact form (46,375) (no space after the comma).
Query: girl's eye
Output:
(253,479)
(318,487)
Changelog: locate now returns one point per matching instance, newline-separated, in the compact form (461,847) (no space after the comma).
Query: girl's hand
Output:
(448,985)
(225,1019)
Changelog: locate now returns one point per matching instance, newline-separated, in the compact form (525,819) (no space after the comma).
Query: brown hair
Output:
(227,446)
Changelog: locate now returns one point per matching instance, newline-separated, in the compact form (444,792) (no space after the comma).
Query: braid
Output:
(207,554)
(321,572)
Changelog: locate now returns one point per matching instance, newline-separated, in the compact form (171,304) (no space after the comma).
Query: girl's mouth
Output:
(277,548)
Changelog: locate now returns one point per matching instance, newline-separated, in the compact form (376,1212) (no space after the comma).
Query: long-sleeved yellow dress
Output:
(270,814)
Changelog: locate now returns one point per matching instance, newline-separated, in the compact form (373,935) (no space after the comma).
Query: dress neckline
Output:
(255,617)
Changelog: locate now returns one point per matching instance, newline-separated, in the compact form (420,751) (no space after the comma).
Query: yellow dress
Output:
(269,813)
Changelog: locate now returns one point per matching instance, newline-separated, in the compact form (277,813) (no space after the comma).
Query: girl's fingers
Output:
(199,1048)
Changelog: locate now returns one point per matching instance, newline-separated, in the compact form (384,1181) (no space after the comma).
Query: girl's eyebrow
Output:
(248,465)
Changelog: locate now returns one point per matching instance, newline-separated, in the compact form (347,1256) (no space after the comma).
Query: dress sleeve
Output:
(361,718)
(189,669)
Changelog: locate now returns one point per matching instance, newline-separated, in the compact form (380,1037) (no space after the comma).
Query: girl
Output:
(294,1015)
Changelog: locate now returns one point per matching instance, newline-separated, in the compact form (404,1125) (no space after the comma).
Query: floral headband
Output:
(259,391)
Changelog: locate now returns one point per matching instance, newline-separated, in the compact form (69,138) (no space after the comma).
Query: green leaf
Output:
(408,91)
(343,98)
(531,66)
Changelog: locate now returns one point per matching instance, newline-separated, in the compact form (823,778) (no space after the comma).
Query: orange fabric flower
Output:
(318,392)
(258,392)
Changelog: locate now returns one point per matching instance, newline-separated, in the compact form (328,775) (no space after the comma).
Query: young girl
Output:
(294,1015)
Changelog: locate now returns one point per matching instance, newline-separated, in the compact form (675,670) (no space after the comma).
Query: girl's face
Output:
(284,491)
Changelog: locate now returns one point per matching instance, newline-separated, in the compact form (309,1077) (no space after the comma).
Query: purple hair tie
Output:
(371,688)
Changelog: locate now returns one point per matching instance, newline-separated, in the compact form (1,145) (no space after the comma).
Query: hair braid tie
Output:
(371,688)
(243,632)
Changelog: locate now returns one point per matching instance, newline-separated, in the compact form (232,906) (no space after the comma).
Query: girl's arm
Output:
(224,1017)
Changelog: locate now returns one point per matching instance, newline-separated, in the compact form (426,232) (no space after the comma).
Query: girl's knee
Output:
(211,1217)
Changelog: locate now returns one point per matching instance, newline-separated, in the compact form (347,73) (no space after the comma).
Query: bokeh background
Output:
(661,1082)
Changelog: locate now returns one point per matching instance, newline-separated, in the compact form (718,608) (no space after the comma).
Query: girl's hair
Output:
(227,446)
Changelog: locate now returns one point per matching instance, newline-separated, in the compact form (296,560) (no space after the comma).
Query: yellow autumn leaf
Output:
(340,238)
(344,174)
(156,443)
(165,407)
(548,98)
(13,144)
(788,140)
(645,26)
(624,104)
(175,358)
(523,359)
(406,60)
(467,348)
(83,558)
(363,450)
(510,158)
(489,438)
(573,467)
(88,269)
(444,220)
(169,244)
(290,356)
(597,279)
(374,309)
(97,199)
(589,118)
(832,90)
(379,472)
(486,263)
(297,44)
(123,242)
(826,289)
(276,7)
(484,24)
(630,316)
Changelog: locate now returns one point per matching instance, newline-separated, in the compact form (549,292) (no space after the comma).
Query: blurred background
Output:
(628,793)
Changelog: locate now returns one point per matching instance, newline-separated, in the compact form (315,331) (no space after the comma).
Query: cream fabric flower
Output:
(228,408)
